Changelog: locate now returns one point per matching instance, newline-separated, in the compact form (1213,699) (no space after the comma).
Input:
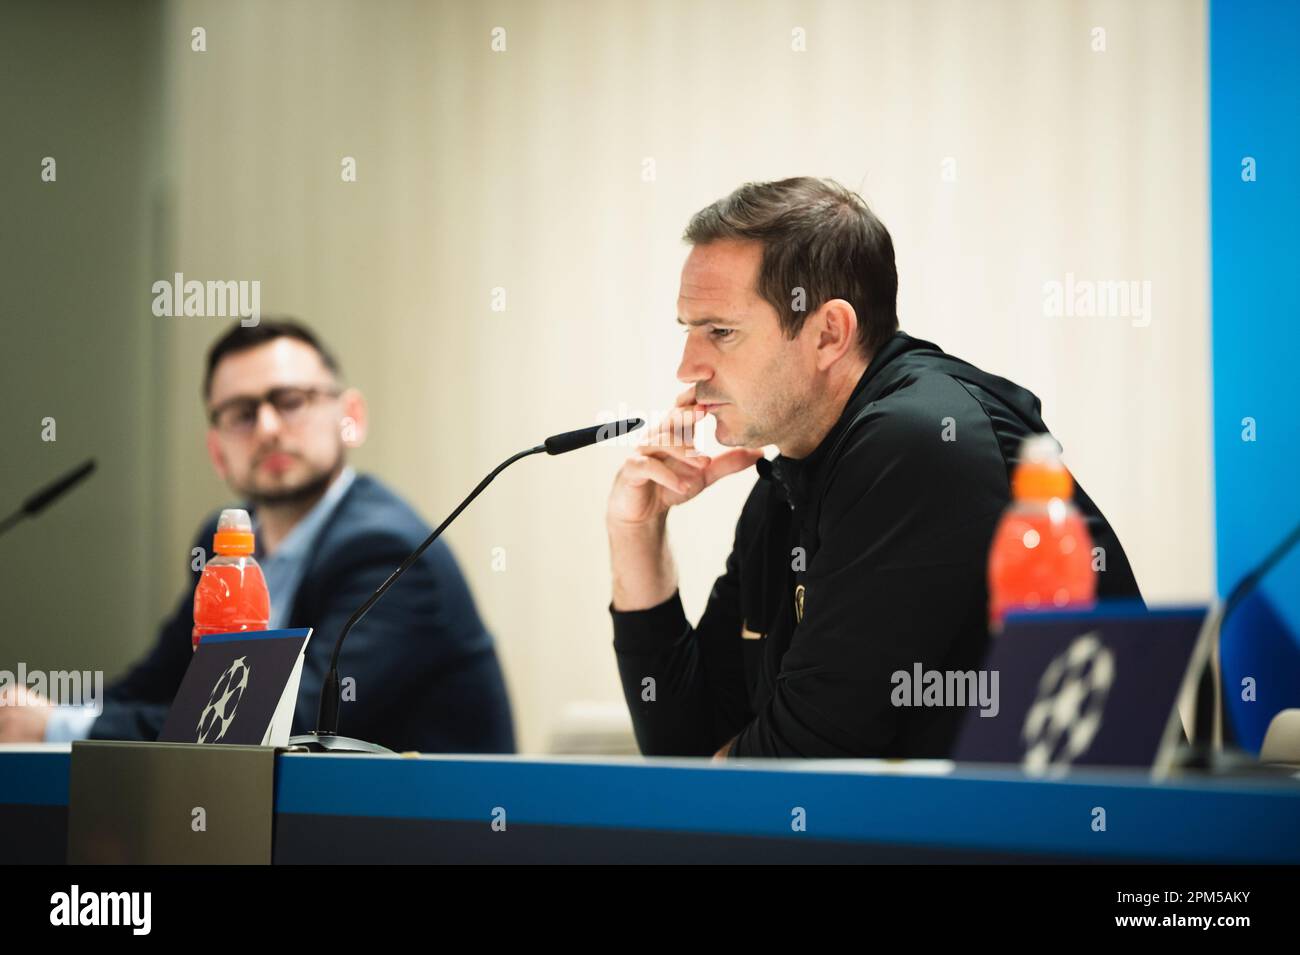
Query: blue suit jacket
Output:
(426,674)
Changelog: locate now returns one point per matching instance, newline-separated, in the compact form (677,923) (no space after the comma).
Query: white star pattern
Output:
(1066,714)
(219,714)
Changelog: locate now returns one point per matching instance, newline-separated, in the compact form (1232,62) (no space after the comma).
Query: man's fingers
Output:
(676,429)
(687,455)
(730,462)
(639,470)
(686,470)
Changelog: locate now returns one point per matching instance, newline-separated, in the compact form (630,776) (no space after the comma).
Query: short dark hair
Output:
(817,236)
(241,338)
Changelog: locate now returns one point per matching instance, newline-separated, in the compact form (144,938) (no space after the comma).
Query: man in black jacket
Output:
(862,549)
(419,672)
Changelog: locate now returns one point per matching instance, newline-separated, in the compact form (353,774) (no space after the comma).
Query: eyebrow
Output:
(708,320)
(307,386)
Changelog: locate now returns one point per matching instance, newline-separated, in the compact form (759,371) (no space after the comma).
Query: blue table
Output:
(337,808)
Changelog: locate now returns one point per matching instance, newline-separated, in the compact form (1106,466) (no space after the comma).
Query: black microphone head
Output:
(49,494)
(573,440)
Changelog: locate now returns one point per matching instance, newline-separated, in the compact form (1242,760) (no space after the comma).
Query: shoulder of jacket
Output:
(371,510)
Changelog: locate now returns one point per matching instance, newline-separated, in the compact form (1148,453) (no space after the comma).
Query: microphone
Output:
(325,738)
(49,494)
(1201,754)
(573,440)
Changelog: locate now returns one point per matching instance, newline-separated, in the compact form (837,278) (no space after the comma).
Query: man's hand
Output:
(664,472)
(667,470)
(23,715)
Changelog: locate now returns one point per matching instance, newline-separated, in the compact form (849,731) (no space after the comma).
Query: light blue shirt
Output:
(283,571)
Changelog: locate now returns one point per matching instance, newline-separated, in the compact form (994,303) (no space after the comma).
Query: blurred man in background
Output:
(862,549)
(423,672)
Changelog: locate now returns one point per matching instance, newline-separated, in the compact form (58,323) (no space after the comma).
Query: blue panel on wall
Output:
(1255,261)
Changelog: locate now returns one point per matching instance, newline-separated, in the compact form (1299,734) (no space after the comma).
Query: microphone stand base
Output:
(328,743)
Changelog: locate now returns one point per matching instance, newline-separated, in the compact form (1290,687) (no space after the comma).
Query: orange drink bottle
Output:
(1041,556)
(231,595)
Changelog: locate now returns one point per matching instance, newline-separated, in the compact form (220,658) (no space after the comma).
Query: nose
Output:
(268,420)
(693,369)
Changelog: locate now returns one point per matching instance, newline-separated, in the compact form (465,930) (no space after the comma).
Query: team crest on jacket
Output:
(798,603)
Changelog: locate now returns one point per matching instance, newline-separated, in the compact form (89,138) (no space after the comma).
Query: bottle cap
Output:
(234,532)
(1040,475)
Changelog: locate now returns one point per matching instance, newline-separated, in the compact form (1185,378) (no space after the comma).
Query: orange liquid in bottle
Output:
(231,595)
(1041,556)
(1040,562)
(230,598)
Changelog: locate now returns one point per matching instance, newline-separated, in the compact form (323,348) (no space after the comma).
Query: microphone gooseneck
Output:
(1208,699)
(327,720)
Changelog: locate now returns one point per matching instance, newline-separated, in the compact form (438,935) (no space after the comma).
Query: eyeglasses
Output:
(239,415)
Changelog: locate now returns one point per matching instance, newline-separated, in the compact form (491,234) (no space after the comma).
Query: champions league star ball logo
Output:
(220,711)
(1066,714)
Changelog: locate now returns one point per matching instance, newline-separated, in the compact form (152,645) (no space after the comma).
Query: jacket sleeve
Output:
(684,685)
(897,580)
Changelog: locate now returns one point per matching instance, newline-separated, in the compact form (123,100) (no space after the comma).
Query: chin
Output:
(283,481)
(730,442)
(723,435)
(262,483)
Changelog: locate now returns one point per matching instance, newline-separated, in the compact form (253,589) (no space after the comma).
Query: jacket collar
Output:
(796,476)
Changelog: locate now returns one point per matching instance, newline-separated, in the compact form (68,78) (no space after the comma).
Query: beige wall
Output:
(523,170)
(79,83)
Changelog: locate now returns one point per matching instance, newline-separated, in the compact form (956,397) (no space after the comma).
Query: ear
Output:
(836,327)
(355,418)
(214,454)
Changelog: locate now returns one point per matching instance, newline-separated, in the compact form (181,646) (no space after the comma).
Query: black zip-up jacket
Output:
(864,558)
